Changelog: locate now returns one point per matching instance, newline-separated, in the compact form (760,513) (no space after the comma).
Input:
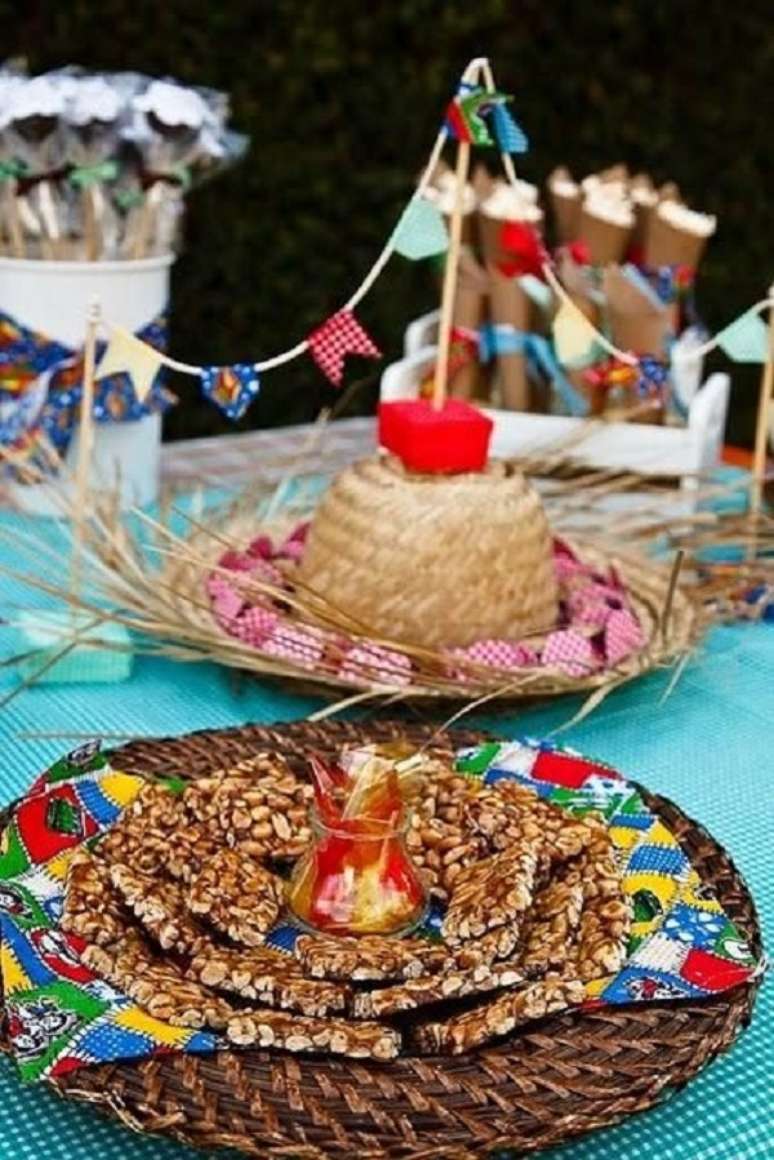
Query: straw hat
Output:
(432,560)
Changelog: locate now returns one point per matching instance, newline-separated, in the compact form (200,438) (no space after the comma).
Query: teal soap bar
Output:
(102,652)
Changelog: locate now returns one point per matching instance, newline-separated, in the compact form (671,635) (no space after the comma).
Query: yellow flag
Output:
(126,354)
(573,334)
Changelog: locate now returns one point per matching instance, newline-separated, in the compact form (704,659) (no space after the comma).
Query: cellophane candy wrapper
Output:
(358,877)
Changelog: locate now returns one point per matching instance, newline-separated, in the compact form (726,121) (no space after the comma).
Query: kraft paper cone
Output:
(606,242)
(566,208)
(470,302)
(509,304)
(667,246)
(567,216)
(482,181)
(635,322)
(576,281)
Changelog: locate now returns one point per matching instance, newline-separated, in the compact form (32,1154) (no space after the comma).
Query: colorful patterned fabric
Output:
(62,1017)
(232,388)
(41,387)
(339,336)
(596,629)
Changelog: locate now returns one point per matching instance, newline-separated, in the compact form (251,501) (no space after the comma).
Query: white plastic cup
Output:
(54,298)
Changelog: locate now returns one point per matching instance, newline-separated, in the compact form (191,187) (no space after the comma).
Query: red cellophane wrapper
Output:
(357,878)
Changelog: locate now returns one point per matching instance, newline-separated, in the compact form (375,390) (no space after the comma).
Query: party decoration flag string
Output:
(511,138)
(466,113)
(231,388)
(338,337)
(126,354)
(421,232)
(745,339)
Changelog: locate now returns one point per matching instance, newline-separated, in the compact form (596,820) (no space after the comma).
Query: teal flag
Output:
(421,232)
(745,339)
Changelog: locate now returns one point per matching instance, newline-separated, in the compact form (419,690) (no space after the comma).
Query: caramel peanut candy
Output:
(551,927)
(269,977)
(158,987)
(189,849)
(496,945)
(413,993)
(602,937)
(160,907)
(141,836)
(263,812)
(237,896)
(494,892)
(92,909)
(274,1029)
(499,1017)
(372,957)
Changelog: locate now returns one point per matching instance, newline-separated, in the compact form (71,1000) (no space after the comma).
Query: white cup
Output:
(54,298)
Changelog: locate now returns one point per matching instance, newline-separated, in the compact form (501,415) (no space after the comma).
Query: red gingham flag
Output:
(341,335)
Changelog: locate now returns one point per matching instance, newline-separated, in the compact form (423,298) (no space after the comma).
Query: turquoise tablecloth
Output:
(711,748)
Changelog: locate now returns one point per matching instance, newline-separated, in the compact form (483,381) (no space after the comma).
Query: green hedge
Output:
(342,100)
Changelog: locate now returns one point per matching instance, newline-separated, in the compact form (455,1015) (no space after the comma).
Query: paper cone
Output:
(567,216)
(565,207)
(606,241)
(635,322)
(509,304)
(470,302)
(667,246)
(577,282)
(482,181)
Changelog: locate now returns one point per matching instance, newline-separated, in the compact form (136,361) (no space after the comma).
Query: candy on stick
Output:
(93,124)
(34,128)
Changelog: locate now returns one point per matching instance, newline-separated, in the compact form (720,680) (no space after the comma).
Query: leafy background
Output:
(342,101)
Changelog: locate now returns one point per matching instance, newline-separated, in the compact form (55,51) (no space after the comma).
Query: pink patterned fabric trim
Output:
(597,628)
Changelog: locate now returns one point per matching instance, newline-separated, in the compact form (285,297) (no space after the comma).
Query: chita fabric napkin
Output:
(60,1016)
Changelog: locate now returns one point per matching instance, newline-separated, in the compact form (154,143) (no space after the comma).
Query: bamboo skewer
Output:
(762,423)
(85,448)
(440,385)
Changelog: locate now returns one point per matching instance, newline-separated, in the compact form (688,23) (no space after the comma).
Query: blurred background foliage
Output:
(342,100)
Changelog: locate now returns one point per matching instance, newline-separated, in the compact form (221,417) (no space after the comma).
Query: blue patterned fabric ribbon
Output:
(496,338)
(41,385)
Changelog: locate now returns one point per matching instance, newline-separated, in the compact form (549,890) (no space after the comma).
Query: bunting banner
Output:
(41,385)
(339,336)
(746,339)
(575,339)
(125,354)
(511,138)
(467,112)
(231,388)
(421,231)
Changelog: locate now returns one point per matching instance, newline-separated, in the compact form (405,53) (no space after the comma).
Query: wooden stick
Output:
(440,385)
(762,424)
(85,447)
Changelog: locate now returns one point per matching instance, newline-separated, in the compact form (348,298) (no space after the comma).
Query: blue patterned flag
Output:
(232,388)
(511,138)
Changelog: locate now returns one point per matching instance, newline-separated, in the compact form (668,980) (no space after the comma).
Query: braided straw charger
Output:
(562,1077)
(433,560)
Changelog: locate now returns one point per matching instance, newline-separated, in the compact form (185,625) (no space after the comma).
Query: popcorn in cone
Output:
(565,197)
(505,204)
(607,221)
(677,235)
(510,305)
(644,200)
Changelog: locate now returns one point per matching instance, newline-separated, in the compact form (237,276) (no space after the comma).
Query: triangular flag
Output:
(511,138)
(339,336)
(421,232)
(574,336)
(233,388)
(125,354)
(745,339)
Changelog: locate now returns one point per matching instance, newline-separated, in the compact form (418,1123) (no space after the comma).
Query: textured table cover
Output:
(711,748)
